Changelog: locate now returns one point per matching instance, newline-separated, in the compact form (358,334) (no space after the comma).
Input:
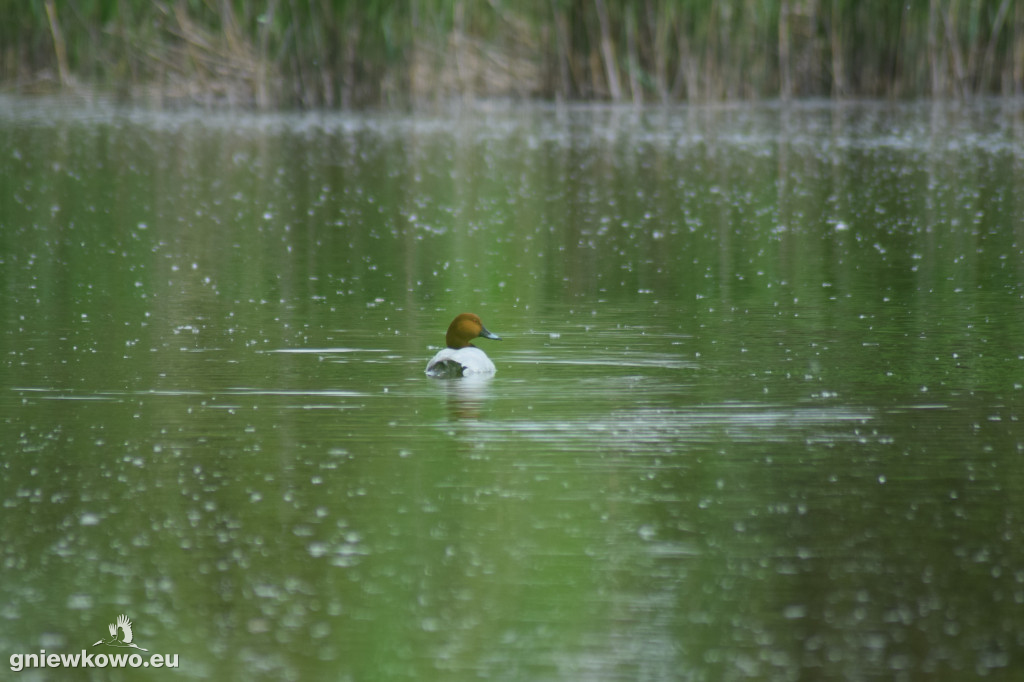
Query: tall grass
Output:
(343,53)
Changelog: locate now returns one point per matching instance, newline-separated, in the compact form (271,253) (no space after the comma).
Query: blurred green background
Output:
(343,53)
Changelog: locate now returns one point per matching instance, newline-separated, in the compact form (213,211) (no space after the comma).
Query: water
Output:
(756,415)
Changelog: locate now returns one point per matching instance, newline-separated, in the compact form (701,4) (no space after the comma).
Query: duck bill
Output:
(489,335)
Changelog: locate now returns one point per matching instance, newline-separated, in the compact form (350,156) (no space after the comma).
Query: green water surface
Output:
(756,414)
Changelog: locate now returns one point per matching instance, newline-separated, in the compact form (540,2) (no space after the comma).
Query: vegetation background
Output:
(348,53)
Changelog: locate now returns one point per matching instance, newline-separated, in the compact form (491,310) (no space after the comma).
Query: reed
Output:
(347,53)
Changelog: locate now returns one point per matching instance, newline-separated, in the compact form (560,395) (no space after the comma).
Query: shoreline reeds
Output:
(352,53)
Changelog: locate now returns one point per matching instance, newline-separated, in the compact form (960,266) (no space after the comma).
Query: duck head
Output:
(464,329)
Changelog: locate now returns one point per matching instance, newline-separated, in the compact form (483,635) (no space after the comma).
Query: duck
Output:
(460,357)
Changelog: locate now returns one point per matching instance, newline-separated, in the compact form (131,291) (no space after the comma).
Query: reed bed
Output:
(349,53)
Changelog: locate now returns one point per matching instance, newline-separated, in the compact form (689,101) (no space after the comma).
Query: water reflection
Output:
(465,397)
(756,415)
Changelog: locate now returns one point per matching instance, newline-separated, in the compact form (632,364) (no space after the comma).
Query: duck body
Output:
(452,362)
(460,357)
